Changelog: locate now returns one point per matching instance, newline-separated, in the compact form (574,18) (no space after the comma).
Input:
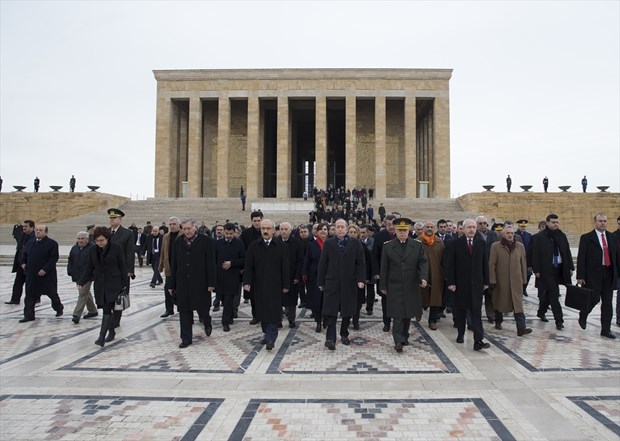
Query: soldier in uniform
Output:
(123,237)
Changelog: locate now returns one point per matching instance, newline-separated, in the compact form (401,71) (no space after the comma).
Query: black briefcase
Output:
(578,297)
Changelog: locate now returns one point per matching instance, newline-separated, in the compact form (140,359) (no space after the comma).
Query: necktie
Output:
(606,259)
(112,233)
(470,246)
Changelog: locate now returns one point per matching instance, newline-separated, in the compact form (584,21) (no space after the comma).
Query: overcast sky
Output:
(534,92)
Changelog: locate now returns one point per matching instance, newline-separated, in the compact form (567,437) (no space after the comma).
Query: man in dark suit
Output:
(404,269)
(229,260)
(266,274)
(552,264)
(467,276)
(123,237)
(193,278)
(342,270)
(598,266)
(39,264)
(153,254)
(490,237)
(380,239)
(249,235)
(25,238)
(140,245)
(296,261)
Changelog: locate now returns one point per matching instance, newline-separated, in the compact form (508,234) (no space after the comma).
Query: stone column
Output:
(320,153)
(440,165)
(411,176)
(194,148)
(223,134)
(350,142)
(163,149)
(380,149)
(252,162)
(283,170)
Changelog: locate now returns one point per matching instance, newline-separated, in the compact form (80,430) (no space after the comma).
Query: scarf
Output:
(428,240)
(320,242)
(342,243)
(510,245)
(188,241)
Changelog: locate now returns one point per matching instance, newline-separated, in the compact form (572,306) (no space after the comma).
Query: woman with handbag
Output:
(106,267)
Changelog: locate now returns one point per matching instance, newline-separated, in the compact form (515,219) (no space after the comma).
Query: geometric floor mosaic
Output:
(605,410)
(424,419)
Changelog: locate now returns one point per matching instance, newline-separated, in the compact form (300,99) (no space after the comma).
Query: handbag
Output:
(578,297)
(122,301)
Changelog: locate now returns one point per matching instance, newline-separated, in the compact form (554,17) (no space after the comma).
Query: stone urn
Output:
(564,188)
(603,188)
(56,187)
(19,188)
(93,187)
(526,188)
(488,187)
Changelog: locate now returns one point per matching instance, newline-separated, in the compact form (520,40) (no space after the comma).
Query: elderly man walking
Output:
(78,260)
(192,278)
(342,270)
(266,275)
(507,275)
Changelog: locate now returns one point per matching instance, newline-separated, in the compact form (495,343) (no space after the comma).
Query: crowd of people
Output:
(334,266)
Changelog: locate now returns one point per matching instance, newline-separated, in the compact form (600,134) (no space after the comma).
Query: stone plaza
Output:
(58,385)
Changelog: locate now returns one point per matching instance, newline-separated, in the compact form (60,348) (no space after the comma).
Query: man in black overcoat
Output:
(230,258)
(552,264)
(376,252)
(266,274)
(296,261)
(342,270)
(39,264)
(249,235)
(467,276)
(598,266)
(193,278)
(25,238)
(123,237)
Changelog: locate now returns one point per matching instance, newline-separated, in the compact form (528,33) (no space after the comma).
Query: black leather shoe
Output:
(608,334)
(226,327)
(386,328)
(301,306)
(216,308)
(159,282)
(166,314)
(208,330)
(254,321)
(369,312)
(481,345)
(184,345)
(91,315)
(583,322)
(75,319)
(292,325)
(263,341)
(356,326)
(398,347)
(460,339)
(280,325)
(11,303)
(318,328)
(345,340)
(559,327)
(330,345)
(269,345)
(152,285)
(542,317)
(59,313)
(27,319)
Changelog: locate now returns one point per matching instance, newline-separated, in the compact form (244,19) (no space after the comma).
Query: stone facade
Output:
(277,132)
(53,206)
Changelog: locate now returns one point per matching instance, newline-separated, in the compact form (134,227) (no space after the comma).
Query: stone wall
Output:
(54,206)
(365,132)
(576,210)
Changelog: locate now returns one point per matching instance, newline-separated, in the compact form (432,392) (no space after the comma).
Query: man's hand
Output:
(452,288)
(226,265)
(361,285)
(285,290)
(581,282)
(537,275)
(247,288)
(41,273)
(321,288)
(423,283)
(384,291)
(211,288)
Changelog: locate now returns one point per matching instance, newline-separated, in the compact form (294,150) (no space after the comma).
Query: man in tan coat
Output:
(507,275)
(432,295)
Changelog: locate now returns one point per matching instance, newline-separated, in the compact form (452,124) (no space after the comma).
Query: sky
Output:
(535,89)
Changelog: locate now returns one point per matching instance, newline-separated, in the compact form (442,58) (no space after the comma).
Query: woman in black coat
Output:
(107,268)
(314,296)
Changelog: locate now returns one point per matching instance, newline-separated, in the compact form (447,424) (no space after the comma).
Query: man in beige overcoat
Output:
(507,275)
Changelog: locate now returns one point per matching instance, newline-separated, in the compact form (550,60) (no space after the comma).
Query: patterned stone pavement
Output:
(56,384)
